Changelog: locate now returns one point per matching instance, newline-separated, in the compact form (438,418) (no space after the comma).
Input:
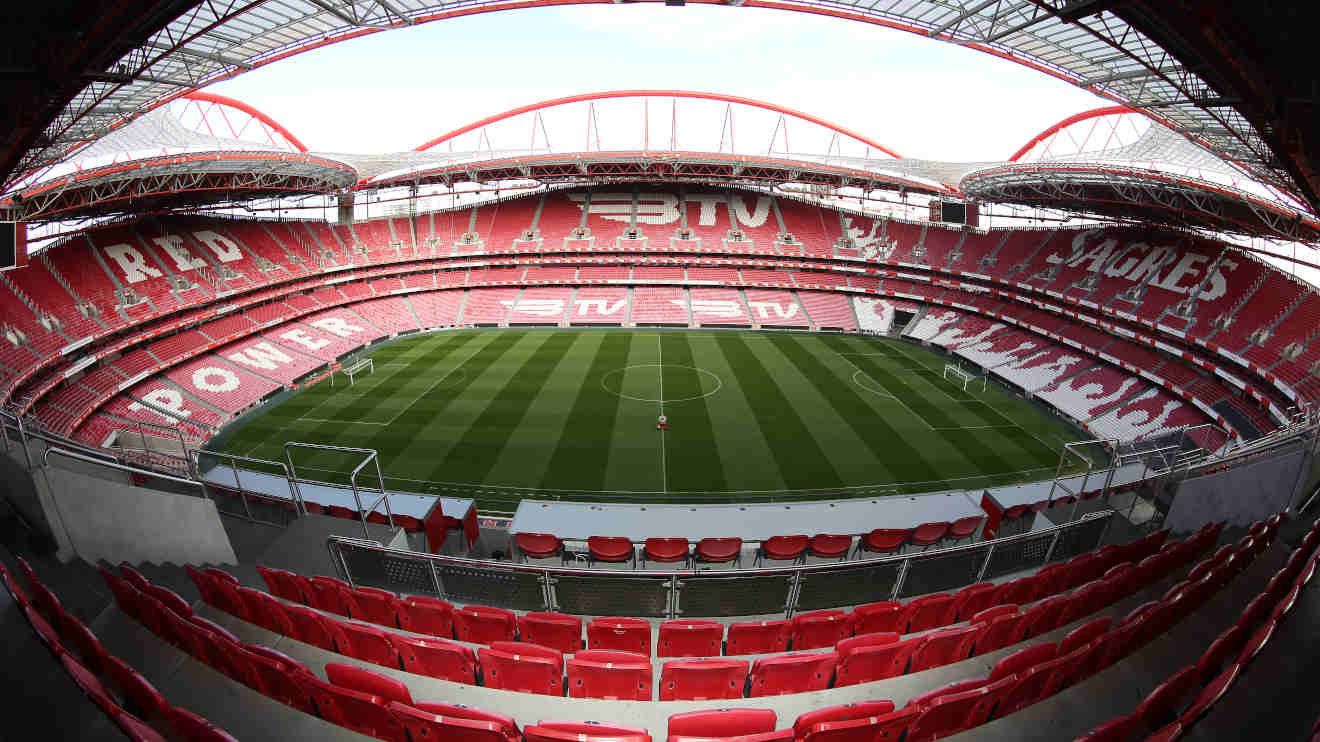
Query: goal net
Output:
(962,377)
(355,368)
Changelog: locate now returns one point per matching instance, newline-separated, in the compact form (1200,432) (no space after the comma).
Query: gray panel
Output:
(847,586)
(612,595)
(940,572)
(492,586)
(388,572)
(1079,539)
(733,596)
(1027,553)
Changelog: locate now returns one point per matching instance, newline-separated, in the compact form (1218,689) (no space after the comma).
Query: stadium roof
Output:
(1235,75)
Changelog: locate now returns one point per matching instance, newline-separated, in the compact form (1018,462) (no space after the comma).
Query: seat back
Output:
(722,722)
(266,612)
(690,638)
(1016,592)
(845,712)
(140,696)
(583,731)
(875,618)
(284,584)
(310,627)
(361,712)
(867,662)
(366,681)
(1169,698)
(378,606)
(437,658)
(1043,616)
(369,643)
(943,647)
(890,727)
(702,679)
(426,616)
(332,595)
(193,728)
(484,625)
(609,674)
(757,637)
(282,678)
(522,667)
(929,612)
(225,587)
(1022,659)
(421,726)
(818,629)
(792,673)
(134,728)
(622,634)
(1084,634)
(558,630)
(973,599)
(944,715)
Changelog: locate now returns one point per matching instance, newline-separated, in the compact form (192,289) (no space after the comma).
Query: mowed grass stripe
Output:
(692,452)
(526,454)
(582,453)
(895,456)
(746,457)
(634,450)
(802,463)
(477,451)
(396,373)
(848,454)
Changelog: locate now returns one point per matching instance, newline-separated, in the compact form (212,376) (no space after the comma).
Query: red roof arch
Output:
(1076,118)
(202,96)
(688,94)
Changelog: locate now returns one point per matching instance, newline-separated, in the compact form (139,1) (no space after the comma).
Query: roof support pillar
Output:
(346,203)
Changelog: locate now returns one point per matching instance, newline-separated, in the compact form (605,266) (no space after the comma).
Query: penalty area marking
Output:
(662,400)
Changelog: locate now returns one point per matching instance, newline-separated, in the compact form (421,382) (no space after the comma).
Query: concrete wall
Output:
(117,522)
(1240,495)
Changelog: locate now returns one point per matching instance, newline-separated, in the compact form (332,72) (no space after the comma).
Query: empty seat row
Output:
(127,698)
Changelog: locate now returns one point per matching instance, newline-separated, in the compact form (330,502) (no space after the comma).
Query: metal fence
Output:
(743,592)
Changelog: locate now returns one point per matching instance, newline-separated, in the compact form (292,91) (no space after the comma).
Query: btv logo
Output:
(714,307)
(663,208)
(555,307)
(773,309)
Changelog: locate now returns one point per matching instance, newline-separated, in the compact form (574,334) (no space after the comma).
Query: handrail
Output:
(371,456)
(45,462)
(294,490)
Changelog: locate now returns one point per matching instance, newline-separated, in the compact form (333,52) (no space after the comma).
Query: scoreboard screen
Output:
(954,212)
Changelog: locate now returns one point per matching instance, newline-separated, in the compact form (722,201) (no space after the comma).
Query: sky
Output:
(394,90)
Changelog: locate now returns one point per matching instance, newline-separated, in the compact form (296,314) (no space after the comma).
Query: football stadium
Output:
(611,413)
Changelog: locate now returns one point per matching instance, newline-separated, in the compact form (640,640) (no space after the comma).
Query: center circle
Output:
(707,377)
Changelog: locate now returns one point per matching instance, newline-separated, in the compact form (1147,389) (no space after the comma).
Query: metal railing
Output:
(244,495)
(738,592)
(370,456)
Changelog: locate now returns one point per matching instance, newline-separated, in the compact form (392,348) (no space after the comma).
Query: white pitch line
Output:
(857,370)
(434,385)
(664,472)
(339,422)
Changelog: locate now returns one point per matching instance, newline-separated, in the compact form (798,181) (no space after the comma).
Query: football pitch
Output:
(504,414)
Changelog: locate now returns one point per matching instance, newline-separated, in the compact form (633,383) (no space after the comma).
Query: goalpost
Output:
(366,365)
(961,374)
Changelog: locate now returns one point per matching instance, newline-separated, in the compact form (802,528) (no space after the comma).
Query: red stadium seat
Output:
(332,595)
(718,550)
(370,644)
(945,714)
(623,634)
(281,677)
(366,681)
(426,616)
(609,674)
(1023,659)
(1043,616)
(722,723)
(666,550)
(219,593)
(973,599)
(266,612)
(702,679)
(1122,729)
(190,727)
(436,658)
(821,629)
(964,528)
(284,584)
(783,548)
(421,726)
(846,712)
(830,546)
(140,696)
(134,728)
(1017,592)
(1084,634)
(1167,701)
(313,627)
(169,599)
(84,642)
(538,545)
(791,673)
(583,731)
(890,727)
(361,712)
(556,630)
(506,724)
(873,657)
(874,618)
(484,625)
(943,647)
(927,535)
(884,540)
(928,612)
(758,637)
(378,606)
(690,638)
(611,549)
(523,667)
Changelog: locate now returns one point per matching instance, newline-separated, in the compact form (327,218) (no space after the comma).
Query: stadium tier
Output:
(1193,330)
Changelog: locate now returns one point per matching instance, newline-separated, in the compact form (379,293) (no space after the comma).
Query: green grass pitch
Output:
(504,414)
